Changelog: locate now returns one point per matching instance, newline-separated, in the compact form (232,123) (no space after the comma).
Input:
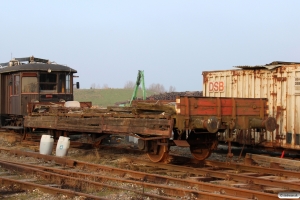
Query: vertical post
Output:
(262,108)
(1,100)
(219,108)
(187,112)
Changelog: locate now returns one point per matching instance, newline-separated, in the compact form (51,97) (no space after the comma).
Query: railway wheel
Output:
(158,152)
(202,145)
(201,153)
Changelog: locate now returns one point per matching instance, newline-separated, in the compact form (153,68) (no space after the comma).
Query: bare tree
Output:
(157,88)
(172,89)
(105,86)
(93,86)
(129,85)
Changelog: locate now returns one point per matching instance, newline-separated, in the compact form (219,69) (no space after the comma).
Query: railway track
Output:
(82,180)
(216,180)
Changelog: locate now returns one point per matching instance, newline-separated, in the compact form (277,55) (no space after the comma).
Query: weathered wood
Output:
(269,159)
(119,109)
(102,124)
(140,107)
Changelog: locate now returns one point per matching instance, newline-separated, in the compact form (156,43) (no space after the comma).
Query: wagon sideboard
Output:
(103,123)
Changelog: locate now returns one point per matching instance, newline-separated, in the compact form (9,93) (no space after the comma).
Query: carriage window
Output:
(16,85)
(48,83)
(68,83)
(29,84)
(61,83)
(64,83)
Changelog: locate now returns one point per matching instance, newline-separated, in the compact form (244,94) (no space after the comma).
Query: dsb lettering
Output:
(216,86)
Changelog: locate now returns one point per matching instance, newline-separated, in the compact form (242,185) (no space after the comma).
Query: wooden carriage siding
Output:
(30,79)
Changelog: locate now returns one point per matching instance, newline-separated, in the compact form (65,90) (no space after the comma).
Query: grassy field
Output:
(105,97)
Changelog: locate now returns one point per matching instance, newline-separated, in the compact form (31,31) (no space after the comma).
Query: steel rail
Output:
(44,188)
(224,190)
(71,180)
(226,175)
(243,193)
(256,169)
(172,191)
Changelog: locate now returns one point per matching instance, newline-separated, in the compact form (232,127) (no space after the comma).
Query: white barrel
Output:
(46,144)
(62,146)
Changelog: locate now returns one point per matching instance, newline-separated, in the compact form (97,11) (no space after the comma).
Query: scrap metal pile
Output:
(173,95)
(167,96)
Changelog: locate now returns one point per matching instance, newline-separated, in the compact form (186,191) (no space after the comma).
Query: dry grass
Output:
(105,97)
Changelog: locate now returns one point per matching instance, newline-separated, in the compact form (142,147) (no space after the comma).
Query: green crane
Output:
(140,78)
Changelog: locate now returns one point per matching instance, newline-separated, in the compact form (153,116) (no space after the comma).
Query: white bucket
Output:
(46,144)
(62,146)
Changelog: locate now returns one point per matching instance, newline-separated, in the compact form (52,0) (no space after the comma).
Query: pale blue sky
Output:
(172,41)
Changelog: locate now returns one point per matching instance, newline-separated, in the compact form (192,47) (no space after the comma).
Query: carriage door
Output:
(14,95)
(9,82)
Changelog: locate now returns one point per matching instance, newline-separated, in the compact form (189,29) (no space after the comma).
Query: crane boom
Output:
(140,79)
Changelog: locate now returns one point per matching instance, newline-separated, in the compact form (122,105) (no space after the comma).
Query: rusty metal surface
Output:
(81,182)
(232,113)
(181,143)
(243,178)
(79,177)
(279,82)
(249,166)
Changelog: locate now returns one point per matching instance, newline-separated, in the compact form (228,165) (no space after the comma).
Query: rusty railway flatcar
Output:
(192,122)
(30,79)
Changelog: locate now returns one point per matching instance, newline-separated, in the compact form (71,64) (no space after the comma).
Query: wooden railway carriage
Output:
(24,80)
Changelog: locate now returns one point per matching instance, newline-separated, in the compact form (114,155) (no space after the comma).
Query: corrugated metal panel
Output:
(280,85)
